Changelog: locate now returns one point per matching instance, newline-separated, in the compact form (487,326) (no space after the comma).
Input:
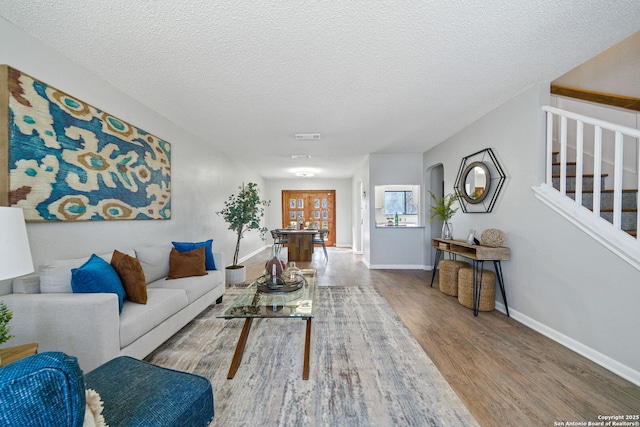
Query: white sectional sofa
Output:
(89,326)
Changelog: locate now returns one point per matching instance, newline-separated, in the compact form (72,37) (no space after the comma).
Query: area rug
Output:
(366,368)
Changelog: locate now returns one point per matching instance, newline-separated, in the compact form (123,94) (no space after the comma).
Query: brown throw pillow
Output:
(187,264)
(131,275)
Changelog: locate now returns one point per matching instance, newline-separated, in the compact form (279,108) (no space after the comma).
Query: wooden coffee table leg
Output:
(242,341)
(307,350)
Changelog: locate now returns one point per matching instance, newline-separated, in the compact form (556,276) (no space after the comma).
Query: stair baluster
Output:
(618,206)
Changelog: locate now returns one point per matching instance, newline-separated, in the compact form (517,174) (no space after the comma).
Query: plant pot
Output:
(235,274)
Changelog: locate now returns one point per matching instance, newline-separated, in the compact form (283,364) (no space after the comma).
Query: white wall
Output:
(395,247)
(613,71)
(558,280)
(361,212)
(202,177)
(344,203)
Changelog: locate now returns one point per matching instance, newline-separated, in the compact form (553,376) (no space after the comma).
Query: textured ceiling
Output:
(371,76)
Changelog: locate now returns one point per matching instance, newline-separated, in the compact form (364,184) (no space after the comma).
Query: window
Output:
(400,202)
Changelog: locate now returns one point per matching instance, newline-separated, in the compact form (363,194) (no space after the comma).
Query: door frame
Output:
(331,241)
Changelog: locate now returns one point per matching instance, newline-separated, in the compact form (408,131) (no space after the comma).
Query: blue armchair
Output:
(48,389)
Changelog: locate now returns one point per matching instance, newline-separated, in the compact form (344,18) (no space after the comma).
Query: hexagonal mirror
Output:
(480,179)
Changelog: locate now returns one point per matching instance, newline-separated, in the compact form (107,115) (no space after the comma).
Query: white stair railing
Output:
(556,115)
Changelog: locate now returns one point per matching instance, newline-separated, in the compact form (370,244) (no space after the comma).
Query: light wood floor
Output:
(506,373)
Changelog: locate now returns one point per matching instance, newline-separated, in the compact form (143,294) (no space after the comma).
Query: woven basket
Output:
(448,279)
(487,293)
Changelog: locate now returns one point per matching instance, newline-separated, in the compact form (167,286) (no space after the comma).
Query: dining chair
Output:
(320,239)
(279,239)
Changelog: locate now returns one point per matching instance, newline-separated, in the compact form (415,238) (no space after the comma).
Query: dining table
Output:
(299,243)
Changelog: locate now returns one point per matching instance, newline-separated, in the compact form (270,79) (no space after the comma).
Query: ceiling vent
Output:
(300,156)
(307,136)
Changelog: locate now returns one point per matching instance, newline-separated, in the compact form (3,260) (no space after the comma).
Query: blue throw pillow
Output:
(208,251)
(97,275)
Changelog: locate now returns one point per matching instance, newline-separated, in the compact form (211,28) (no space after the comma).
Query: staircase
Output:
(611,218)
(629,197)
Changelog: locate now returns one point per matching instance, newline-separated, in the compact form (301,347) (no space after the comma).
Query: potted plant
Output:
(442,209)
(243,212)
(5,316)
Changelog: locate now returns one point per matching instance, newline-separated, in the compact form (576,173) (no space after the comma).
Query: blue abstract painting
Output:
(69,161)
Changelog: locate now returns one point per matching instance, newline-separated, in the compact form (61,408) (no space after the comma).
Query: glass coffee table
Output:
(291,300)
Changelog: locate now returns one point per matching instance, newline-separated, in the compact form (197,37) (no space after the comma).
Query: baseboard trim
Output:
(254,253)
(396,267)
(595,356)
(605,361)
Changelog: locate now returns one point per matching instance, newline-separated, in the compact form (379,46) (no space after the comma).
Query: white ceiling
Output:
(375,76)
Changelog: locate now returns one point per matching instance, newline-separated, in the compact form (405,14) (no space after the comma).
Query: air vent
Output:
(307,136)
(300,156)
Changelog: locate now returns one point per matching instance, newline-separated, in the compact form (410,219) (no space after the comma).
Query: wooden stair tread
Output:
(623,210)
(586,175)
(632,233)
(604,191)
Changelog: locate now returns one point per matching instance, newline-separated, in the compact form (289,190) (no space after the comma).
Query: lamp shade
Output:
(15,254)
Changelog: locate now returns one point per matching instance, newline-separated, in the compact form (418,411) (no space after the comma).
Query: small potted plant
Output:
(443,210)
(5,317)
(243,212)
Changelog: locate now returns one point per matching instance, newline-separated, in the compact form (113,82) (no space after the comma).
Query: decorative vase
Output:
(291,272)
(274,266)
(447,230)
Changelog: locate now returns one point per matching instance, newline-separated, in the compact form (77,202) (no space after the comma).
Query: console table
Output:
(11,354)
(478,254)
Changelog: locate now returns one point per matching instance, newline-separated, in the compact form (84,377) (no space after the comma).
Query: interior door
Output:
(315,207)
